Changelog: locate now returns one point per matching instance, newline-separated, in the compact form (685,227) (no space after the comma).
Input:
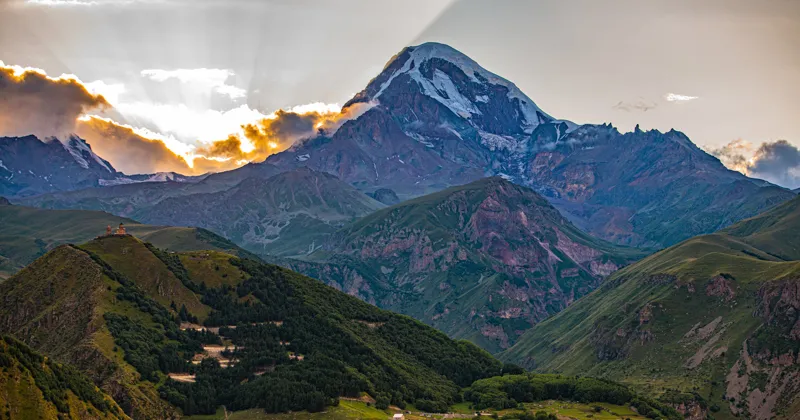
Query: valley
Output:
(437,247)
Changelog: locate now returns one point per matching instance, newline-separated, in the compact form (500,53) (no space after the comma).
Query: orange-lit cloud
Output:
(281,129)
(128,151)
(777,162)
(33,103)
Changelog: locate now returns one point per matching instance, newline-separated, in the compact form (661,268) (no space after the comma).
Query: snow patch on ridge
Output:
(79,150)
(454,100)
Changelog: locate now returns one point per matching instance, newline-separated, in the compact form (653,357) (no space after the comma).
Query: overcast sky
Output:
(732,66)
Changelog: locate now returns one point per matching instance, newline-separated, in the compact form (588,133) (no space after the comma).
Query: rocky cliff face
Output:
(483,261)
(438,119)
(765,379)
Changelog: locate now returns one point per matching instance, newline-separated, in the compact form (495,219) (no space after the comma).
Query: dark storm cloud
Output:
(32,103)
(777,162)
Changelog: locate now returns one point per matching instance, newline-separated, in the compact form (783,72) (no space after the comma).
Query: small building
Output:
(398,416)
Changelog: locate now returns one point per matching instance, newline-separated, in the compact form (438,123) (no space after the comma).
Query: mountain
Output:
(483,261)
(35,387)
(127,198)
(126,314)
(718,314)
(30,166)
(644,188)
(435,118)
(27,233)
(291,213)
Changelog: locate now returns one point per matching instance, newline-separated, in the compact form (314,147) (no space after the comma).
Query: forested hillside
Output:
(273,339)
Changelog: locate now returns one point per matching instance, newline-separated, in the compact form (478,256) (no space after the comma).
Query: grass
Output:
(359,410)
(582,411)
(26,233)
(606,319)
(131,258)
(212,268)
(346,410)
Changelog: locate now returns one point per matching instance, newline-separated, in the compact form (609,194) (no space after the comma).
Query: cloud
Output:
(61,2)
(33,103)
(283,129)
(777,162)
(128,151)
(638,105)
(674,97)
(210,79)
(163,137)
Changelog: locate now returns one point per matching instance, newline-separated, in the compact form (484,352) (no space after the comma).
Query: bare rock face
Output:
(766,376)
(496,255)
(721,286)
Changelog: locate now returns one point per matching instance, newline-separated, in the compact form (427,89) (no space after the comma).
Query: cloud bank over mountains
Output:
(141,137)
(777,162)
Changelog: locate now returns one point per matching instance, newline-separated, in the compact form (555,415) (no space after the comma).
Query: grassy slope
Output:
(30,385)
(132,259)
(57,305)
(572,341)
(27,233)
(774,232)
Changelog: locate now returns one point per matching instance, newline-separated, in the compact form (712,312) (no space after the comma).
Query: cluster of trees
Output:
(349,347)
(510,390)
(300,345)
(149,350)
(53,379)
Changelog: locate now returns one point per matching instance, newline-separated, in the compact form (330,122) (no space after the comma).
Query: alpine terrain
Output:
(30,166)
(438,119)
(718,315)
(483,261)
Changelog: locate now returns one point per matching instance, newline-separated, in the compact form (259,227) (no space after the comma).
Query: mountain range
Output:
(483,261)
(439,119)
(718,314)
(453,199)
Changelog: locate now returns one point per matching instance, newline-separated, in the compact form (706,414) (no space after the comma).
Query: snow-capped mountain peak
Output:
(82,152)
(459,83)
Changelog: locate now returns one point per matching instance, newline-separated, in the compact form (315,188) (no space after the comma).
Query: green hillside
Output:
(483,261)
(27,233)
(717,314)
(113,308)
(35,387)
(288,214)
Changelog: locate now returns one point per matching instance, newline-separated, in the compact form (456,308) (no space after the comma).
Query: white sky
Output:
(586,61)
